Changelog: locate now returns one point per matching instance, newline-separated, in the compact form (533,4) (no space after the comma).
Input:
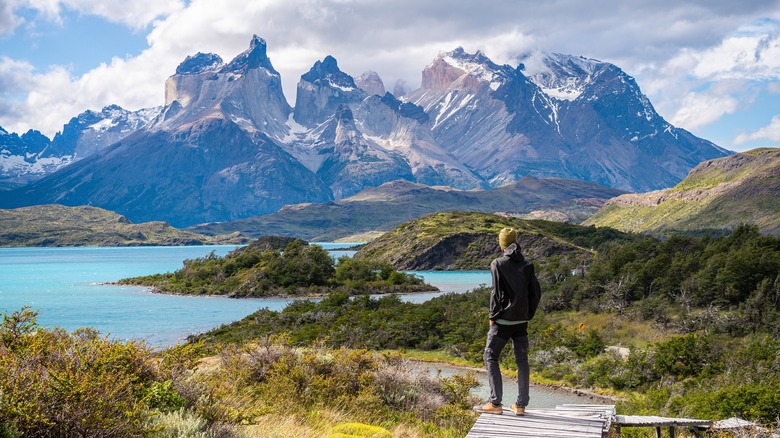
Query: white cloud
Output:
(770,132)
(677,50)
(701,109)
(8,21)
(135,13)
(698,86)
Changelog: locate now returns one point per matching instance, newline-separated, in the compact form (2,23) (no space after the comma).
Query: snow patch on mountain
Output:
(477,66)
(29,166)
(562,77)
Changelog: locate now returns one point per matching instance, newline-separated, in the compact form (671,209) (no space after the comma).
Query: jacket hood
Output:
(513,252)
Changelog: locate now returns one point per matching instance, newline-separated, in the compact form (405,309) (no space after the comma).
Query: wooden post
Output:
(658,432)
(671,431)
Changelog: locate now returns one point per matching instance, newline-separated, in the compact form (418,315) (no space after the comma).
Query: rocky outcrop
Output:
(371,83)
(322,91)
(93,131)
(462,241)
(574,118)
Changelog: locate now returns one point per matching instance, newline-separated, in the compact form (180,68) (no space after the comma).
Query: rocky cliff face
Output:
(227,144)
(371,83)
(92,131)
(246,91)
(573,117)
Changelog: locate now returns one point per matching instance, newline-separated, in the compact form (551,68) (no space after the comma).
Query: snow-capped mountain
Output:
(32,156)
(571,117)
(92,131)
(227,145)
(27,157)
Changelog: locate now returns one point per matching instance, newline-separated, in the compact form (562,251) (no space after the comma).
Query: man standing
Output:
(513,302)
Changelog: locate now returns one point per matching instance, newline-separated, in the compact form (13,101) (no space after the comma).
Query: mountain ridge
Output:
(378,209)
(473,124)
(717,195)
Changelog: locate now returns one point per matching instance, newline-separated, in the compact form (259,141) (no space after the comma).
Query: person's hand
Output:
(491,321)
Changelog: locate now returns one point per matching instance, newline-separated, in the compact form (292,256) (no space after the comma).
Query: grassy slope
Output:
(394,203)
(57,225)
(718,195)
(468,240)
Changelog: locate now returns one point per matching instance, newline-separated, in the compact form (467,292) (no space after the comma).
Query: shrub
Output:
(178,424)
(58,384)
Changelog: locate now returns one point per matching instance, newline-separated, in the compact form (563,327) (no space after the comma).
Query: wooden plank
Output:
(536,423)
(654,421)
(571,421)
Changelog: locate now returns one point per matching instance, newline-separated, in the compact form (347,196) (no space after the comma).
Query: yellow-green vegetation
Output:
(638,218)
(261,269)
(58,225)
(717,195)
(55,383)
(685,326)
(468,240)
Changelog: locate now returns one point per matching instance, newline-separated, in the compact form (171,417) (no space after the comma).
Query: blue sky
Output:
(712,67)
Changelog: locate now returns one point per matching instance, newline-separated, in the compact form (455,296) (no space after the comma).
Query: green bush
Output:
(58,384)
(263,270)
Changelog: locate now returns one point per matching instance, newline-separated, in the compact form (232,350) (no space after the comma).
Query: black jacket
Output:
(516,291)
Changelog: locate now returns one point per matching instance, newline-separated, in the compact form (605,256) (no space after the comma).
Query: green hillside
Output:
(468,240)
(58,225)
(717,195)
(379,209)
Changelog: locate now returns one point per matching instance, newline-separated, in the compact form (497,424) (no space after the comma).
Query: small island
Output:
(275,266)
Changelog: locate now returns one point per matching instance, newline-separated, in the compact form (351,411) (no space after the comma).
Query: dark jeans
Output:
(497,338)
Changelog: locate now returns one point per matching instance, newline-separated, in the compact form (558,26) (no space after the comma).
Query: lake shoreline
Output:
(157,291)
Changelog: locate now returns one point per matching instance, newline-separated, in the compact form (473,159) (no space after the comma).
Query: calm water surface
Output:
(64,285)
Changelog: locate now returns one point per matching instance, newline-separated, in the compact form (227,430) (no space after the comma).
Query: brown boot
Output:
(489,408)
(518,410)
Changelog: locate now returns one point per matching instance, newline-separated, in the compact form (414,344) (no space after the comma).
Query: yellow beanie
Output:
(506,237)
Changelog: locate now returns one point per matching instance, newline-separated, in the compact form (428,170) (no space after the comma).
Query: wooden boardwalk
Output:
(691,424)
(572,421)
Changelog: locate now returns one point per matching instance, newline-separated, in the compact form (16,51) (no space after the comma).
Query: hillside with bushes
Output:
(699,317)
(58,225)
(716,196)
(469,241)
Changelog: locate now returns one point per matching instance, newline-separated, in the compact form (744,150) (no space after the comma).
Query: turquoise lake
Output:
(65,286)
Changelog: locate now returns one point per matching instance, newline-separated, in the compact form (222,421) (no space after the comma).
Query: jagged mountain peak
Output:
(327,72)
(254,57)
(371,83)
(200,63)
(448,67)
(560,76)
(322,90)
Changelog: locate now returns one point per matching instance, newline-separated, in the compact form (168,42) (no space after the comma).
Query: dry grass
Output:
(625,330)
